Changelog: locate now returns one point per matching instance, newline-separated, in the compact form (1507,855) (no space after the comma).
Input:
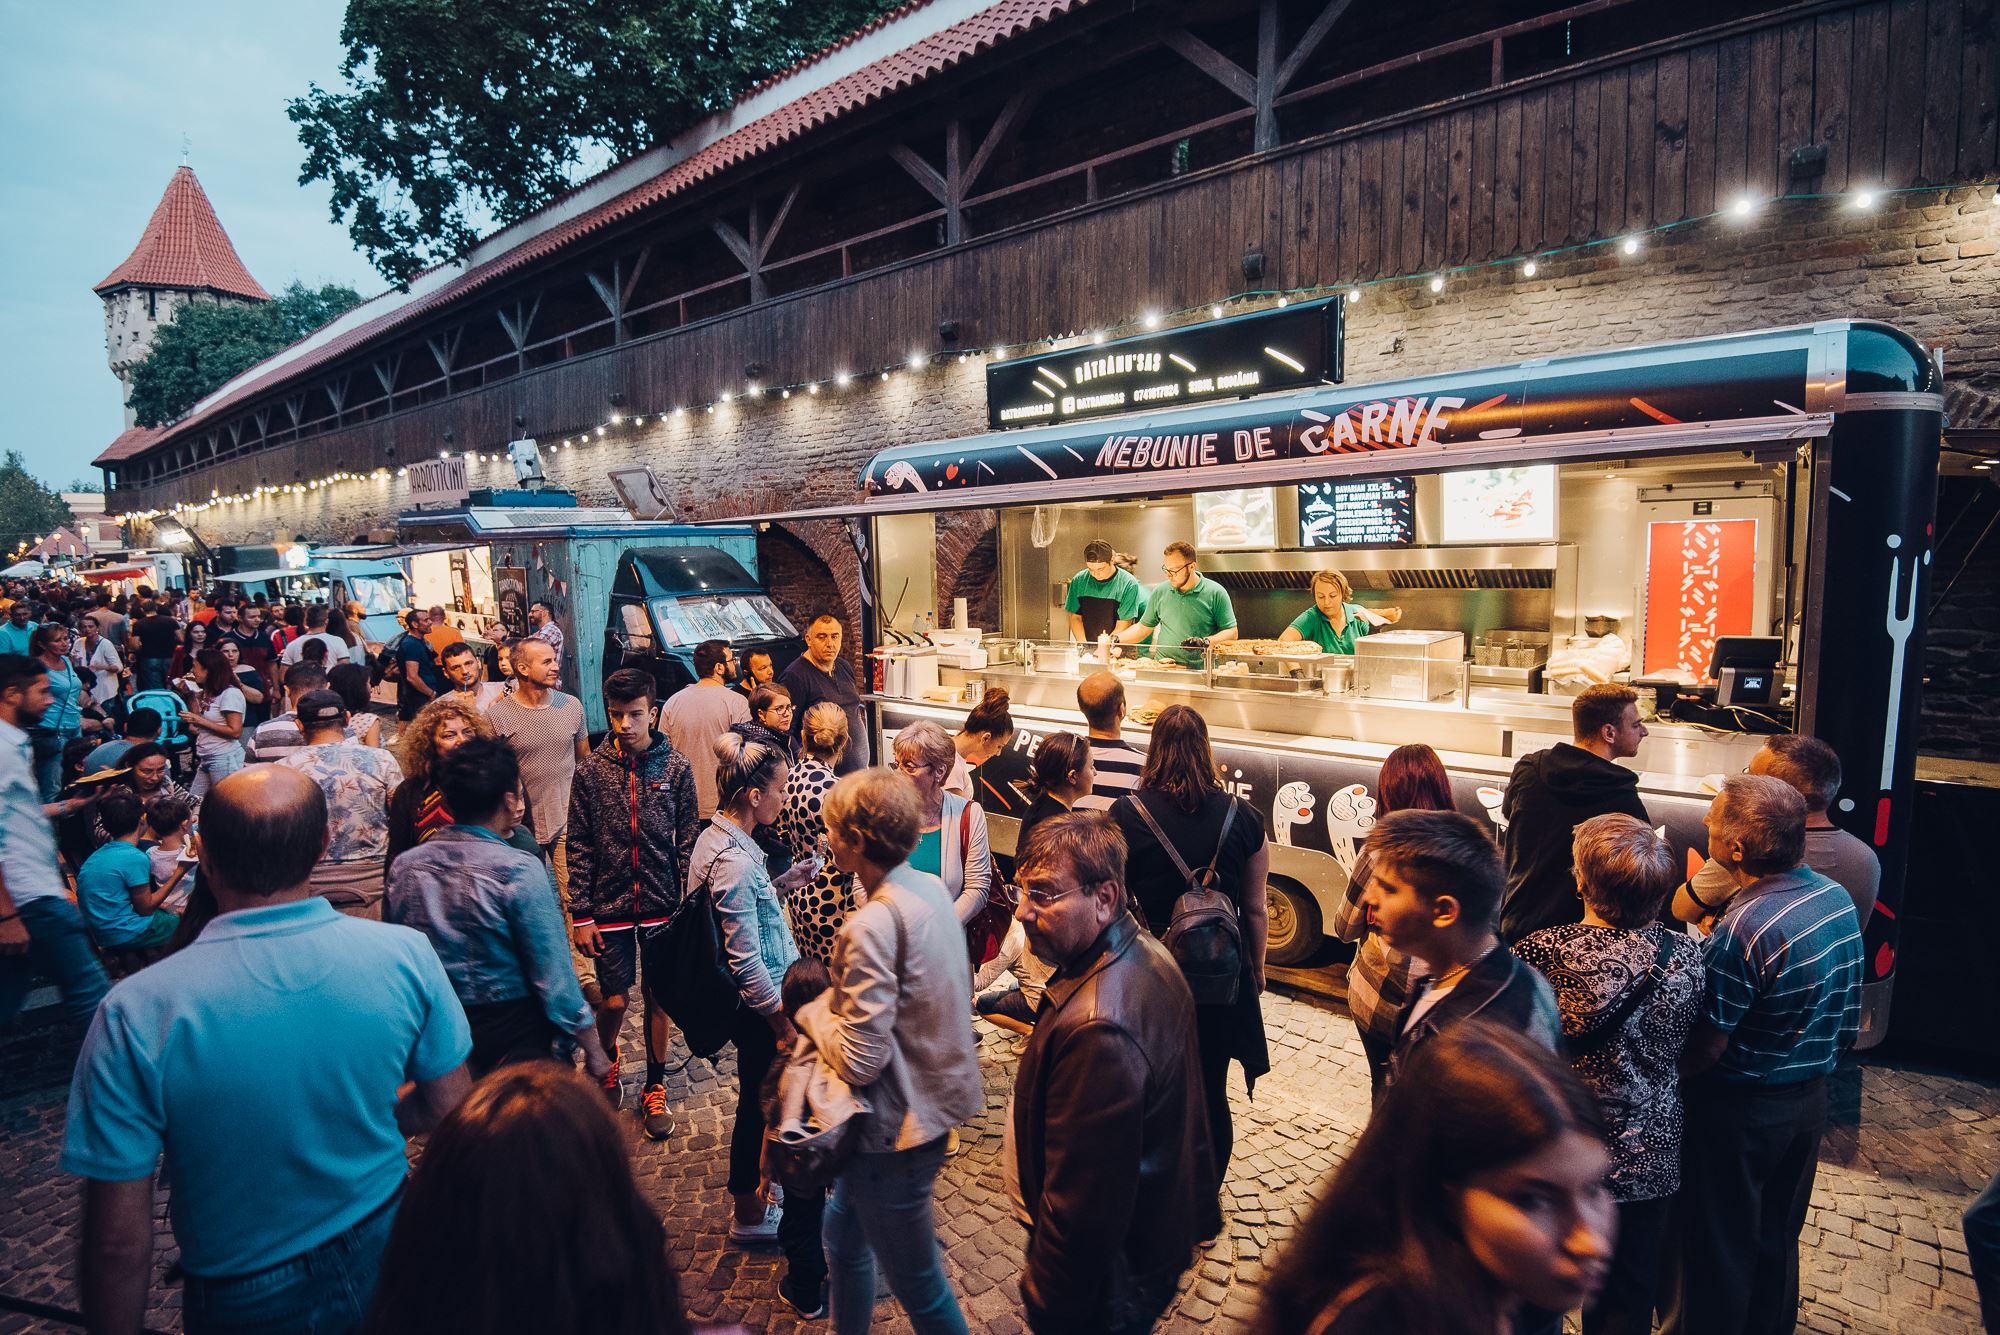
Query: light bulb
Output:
(1215,312)
(1530,269)
(1864,200)
(1353,295)
(1284,301)
(1151,319)
(1742,206)
(1437,283)
(1631,245)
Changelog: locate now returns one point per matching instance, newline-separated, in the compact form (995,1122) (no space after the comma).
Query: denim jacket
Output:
(491,914)
(756,943)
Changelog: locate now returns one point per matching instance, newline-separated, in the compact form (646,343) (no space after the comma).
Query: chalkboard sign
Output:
(1372,512)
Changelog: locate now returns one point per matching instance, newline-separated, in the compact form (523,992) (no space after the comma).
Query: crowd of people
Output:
(1599,1084)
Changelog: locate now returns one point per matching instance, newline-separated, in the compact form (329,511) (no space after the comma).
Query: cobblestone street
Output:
(1883,1248)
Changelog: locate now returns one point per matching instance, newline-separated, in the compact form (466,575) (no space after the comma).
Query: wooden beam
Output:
(1310,42)
(745,252)
(925,175)
(1017,107)
(777,224)
(1266,133)
(632,275)
(1212,63)
(444,347)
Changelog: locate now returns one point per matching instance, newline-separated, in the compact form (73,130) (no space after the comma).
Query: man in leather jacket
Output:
(1116,1171)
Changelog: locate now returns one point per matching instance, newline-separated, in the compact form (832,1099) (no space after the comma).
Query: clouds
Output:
(95,101)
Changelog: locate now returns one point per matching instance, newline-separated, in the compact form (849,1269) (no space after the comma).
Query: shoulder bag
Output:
(695,989)
(1614,1023)
(812,1117)
(987,931)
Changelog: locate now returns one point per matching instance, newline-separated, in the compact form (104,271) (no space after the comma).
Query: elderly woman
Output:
(416,808)
(817,909)
(951,838)
(757,948)
(1629,989)
(895,1020)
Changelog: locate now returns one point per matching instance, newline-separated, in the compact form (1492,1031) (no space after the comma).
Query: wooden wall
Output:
(1899,93)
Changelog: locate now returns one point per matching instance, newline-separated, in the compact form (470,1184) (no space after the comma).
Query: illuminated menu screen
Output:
(1374,512)
(1282,348)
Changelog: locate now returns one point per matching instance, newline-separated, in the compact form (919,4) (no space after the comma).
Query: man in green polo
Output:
(1102,598)
(1334,622)
(1187,611)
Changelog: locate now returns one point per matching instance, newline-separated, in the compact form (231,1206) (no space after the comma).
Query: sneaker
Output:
(653,1105)
(609,1083)
(765,1230)
(807,1301)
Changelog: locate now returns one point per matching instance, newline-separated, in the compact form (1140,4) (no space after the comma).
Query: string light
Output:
(1740,208)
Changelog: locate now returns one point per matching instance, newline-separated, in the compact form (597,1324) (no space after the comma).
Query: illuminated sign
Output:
(1373,512)
(1499,504)
(1700,585)
(1246,517)
(1287,348)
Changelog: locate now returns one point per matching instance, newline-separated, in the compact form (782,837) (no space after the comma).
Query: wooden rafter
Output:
(1310,41)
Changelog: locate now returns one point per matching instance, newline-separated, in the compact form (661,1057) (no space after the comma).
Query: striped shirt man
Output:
(1118,764)
(1784,979)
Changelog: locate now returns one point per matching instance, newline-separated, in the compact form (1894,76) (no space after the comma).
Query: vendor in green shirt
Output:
(1102,598)
(1184,607)
(1333,622)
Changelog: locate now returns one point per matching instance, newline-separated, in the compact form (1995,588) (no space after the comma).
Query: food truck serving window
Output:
(743,616)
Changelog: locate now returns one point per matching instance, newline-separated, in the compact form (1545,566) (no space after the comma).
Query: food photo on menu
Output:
(1240,518)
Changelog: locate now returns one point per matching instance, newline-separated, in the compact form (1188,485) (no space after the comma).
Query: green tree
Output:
(28,510)
(458,116)
(207,342)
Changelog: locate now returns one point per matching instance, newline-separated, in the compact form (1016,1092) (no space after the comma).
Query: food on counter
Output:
(1270,648)
(1238,669)
(1147,712)
(941,695)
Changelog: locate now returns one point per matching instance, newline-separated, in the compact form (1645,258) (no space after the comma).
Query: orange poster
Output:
(1700,584)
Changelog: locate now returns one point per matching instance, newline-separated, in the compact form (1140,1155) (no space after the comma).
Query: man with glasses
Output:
(1117,1175)
(1186,613)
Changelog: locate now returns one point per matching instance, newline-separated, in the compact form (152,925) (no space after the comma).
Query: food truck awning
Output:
(445,529)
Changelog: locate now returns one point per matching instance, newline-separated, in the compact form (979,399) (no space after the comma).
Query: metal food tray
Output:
(1227,650)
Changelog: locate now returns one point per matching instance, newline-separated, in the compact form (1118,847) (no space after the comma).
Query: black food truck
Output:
(1741,526)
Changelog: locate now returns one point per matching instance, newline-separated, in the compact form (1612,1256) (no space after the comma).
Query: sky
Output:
(94,102)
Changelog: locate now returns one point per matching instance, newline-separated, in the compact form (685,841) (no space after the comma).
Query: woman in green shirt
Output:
(1333,622)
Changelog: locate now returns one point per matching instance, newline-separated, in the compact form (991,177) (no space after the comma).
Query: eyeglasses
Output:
(1043,898)
(912,767)
(778,709)
(1174,572)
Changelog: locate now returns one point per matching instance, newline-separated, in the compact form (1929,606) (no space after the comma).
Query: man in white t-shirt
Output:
(337,649)
(699,714)
(461,670)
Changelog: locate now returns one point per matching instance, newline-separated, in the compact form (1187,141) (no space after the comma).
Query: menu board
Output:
(1499,504)
(1700,585)
(1242,518)
(1375,512)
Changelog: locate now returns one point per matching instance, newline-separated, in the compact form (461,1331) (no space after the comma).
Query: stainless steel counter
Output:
(1487,735)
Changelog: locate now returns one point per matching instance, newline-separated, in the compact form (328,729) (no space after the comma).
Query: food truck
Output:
(625,592)
(1741,526)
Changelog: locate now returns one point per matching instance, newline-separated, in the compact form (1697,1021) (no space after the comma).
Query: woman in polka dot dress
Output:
(817,909)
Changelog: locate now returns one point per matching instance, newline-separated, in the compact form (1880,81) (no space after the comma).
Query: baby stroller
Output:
(174,738)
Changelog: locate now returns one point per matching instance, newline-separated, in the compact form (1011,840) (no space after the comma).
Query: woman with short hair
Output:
(1629,988)
(895,1021)
(1181,793)
(951,842)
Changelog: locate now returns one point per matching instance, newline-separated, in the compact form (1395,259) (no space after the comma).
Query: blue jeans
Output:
(880,1209)
(59,947)
(325,1291)
(48,747)
(152,673)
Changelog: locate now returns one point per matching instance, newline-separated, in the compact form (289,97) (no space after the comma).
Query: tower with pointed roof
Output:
(183,255)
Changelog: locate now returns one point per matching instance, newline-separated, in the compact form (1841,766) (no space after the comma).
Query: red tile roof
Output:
(129,443)
(184,246)
(905,68)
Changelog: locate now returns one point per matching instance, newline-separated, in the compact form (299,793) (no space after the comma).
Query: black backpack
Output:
(384,667)
(1204,935)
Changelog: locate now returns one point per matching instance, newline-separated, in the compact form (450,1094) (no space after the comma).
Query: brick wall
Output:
(1924,261)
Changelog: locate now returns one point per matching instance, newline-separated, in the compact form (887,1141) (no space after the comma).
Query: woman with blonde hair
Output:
(951,841)
(416,808)
(819,908)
